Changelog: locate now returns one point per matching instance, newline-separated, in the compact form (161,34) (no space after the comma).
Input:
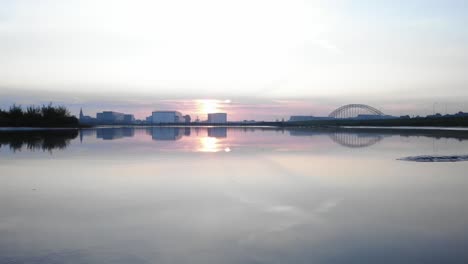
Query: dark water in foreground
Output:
(176,195)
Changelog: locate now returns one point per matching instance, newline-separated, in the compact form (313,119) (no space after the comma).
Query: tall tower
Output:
(81,114)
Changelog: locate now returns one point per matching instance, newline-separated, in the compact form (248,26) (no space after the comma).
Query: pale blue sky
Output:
(397,55)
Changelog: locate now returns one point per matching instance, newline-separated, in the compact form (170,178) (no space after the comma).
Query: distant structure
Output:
(148,119)
(459,114)
(167,117)
(307,118)
(217,118)
(187,119)
(111,118)
(129,118)
(350,111)
(86,119)
(358,111)
(438,115)
(252,121)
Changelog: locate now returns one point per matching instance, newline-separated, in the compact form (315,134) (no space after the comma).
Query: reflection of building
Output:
(217,118)
(86,133)
(217,132)
(304,132)
(114,133)
(167,133)
(167,117)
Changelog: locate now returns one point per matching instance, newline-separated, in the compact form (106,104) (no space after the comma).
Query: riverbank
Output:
(442,123)
(458,121)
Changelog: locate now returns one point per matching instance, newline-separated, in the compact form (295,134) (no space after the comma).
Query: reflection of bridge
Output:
(355,110)
(352,140)
(344,137)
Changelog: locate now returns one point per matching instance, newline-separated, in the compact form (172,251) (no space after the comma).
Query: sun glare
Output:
(207,106)
(212,144)
(209,144)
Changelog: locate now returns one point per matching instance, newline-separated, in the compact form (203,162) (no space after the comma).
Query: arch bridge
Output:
(354,110)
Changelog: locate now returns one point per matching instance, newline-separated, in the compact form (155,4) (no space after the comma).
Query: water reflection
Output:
(345,138)
(168,133)
(212,144)
(37,140)
(113,133)
(217,132)
(175,195)
(218,139)
(366,137)
(351,140)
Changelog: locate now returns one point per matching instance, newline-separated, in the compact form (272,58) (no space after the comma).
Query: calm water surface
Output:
(217,195)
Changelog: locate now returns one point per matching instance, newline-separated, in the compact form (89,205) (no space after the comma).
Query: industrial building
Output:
(188,119)
(167,117)
(149,119)
(110,117)
(129,119)
(308,118)
(217,118)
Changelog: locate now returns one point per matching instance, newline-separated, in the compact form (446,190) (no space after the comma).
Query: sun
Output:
(207,106)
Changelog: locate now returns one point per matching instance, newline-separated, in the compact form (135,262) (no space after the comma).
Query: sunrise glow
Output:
(206,106)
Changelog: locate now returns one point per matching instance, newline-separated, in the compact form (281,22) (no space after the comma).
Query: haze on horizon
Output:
(268,58)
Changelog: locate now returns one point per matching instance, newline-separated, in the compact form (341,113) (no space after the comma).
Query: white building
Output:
(217,118)
(167,117)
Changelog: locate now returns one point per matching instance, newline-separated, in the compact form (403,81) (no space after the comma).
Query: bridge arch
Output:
(354,110)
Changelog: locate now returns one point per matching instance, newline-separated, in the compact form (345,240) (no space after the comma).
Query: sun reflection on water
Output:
(212,144)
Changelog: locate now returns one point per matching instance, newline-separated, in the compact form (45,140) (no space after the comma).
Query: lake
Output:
(232,195)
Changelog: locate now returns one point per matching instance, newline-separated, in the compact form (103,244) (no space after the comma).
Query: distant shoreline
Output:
(442,123)
(348,128)
(447,122)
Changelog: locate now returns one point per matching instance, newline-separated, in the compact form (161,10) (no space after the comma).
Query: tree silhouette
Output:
(35,116)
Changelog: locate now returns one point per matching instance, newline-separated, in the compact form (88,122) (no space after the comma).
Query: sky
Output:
(255,59)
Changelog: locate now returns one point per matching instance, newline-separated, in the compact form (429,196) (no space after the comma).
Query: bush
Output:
(34,116)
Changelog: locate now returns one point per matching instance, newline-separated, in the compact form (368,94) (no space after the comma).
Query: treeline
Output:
(453,121)
(37,116)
